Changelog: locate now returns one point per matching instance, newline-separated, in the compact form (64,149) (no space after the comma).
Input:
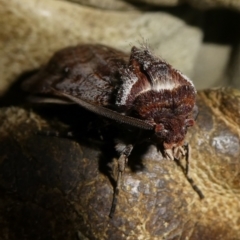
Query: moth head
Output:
(172,131)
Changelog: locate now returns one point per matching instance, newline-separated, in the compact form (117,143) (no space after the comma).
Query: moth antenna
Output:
(144,43)
(130,44)
(107,112)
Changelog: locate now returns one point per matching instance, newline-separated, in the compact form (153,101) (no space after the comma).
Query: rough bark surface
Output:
(59,188)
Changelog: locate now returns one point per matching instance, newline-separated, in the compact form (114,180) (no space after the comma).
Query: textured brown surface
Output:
(215,144)
(51,188)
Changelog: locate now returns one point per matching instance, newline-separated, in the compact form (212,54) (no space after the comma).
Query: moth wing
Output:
(86,75)
(87,71)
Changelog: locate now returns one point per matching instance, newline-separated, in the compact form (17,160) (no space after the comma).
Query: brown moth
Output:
(141,91)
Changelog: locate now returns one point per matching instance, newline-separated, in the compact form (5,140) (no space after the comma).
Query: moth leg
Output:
(179,152)
(190,180)
(187,157)
(53,133)
(122,160)
(169,154)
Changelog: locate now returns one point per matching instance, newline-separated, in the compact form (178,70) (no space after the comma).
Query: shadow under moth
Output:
(141,91)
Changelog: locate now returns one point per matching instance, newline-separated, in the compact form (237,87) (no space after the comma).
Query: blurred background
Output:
(200,38)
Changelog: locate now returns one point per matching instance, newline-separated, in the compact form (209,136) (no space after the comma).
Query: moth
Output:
(141,91)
